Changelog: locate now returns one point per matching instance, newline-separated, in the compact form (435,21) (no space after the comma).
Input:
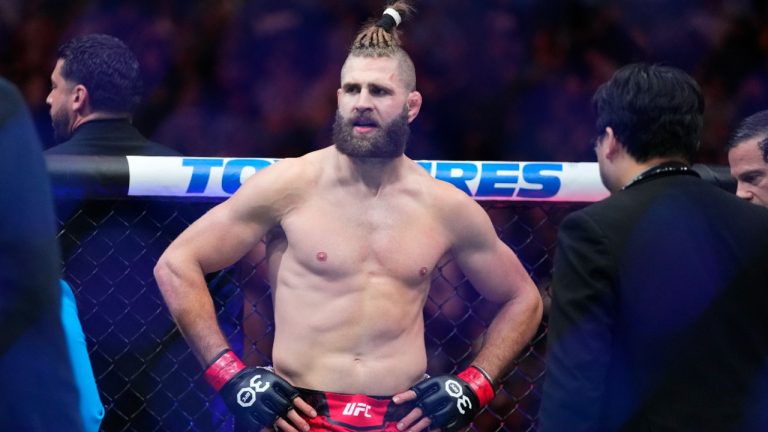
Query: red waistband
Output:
(356,411)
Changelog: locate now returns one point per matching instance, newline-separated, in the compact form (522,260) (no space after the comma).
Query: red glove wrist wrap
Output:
(479,383)
(223,369)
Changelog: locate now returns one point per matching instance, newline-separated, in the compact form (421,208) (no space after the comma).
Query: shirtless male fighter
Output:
(354,233)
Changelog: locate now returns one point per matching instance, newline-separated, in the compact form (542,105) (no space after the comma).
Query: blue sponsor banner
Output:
(232,176)
(529,181)
(500,180)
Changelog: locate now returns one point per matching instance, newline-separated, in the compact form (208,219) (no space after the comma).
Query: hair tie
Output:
(389,19)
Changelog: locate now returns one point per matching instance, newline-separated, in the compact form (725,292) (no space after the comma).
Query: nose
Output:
(742,191)
(48,99)
(363,102)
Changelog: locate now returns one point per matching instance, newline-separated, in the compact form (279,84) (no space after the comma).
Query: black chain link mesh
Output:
(150,381)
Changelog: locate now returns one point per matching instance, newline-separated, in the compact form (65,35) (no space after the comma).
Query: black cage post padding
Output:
(88,176)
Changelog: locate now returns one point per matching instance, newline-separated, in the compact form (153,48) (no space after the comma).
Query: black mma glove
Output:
(452,401)
(256,396)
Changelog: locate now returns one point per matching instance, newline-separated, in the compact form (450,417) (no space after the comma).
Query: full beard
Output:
(387,142)
(60,121)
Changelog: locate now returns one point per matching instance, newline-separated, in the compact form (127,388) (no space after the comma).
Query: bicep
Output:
(230,230)
(219,238)
(489,264)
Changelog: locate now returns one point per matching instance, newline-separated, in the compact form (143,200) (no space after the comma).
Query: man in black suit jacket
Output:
(659,313)
(95,88)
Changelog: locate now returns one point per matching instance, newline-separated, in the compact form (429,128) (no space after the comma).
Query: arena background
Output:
(502,80)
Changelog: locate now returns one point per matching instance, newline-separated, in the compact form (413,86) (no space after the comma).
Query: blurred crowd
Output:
(501,79)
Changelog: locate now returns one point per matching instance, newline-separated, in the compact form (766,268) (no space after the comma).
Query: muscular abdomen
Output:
(351,337)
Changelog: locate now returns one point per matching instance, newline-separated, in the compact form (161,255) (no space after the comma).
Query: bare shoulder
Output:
(286,173)
(279,186)
(448,200)
(460,215)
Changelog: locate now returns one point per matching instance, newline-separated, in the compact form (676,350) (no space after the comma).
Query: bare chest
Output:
(394,239)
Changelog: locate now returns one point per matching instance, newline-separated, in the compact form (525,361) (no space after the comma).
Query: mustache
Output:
(363,120)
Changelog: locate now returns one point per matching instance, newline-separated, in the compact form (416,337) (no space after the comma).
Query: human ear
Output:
(79,98)
(413,104)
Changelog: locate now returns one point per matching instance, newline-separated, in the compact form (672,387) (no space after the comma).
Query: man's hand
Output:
(447,402)
(257,396)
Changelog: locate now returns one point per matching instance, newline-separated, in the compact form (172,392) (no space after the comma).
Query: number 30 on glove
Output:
(452,401)
(256,396)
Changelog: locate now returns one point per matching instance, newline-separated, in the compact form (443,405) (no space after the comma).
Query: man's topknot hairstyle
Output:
(379,38)
(107,68)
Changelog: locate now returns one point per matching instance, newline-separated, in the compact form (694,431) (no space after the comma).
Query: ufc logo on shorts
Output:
(454,390)
(247,395)
(355,408)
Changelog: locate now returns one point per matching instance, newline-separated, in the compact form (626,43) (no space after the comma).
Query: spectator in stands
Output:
(657,318)
(748,158)
(37,390)
(95,88)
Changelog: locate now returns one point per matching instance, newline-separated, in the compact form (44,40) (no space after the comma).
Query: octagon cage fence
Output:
(118,214)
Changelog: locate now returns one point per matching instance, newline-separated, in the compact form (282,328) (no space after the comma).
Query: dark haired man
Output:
(354,232)
(659,291)
(748,158)
(95,88)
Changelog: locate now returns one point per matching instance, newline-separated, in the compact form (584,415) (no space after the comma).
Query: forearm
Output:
(510,331)
(450,402)
(186,294)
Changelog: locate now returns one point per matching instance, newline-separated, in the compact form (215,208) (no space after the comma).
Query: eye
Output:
(751,178)
(379,91)
(351,89)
